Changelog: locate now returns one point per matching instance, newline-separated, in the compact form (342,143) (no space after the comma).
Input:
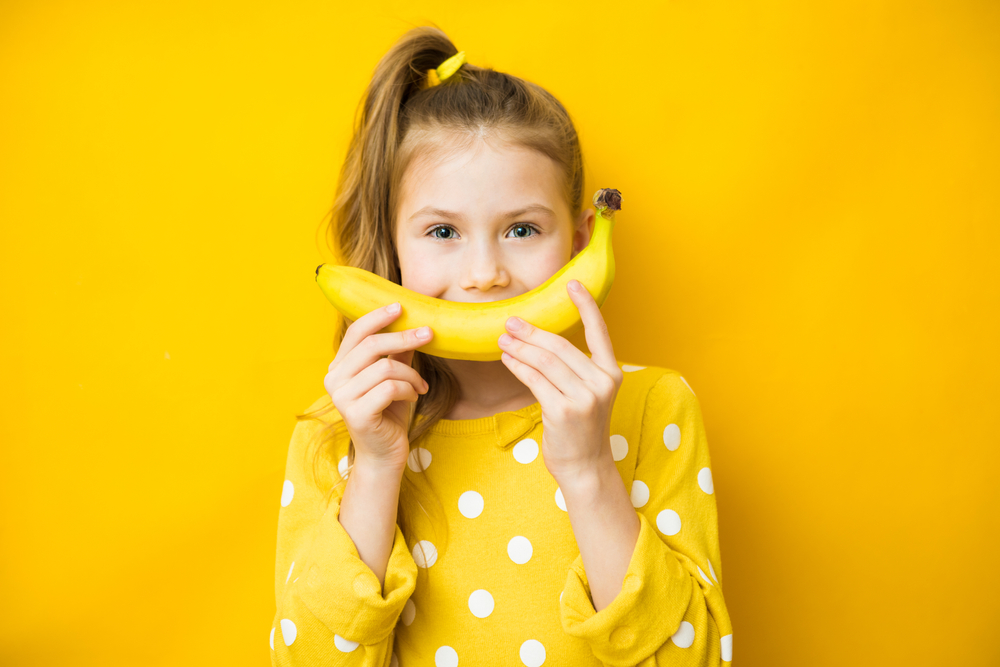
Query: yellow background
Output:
(809,234)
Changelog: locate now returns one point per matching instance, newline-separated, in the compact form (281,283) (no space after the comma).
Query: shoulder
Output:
(652,404)
(322,403)
(653,397)
(667,414)
(321,413)
(318,426)
(319,416)
(642,385)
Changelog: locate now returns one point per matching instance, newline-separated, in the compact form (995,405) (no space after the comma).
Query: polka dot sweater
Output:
(505,583)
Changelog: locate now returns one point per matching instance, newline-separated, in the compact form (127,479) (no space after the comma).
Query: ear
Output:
(583,229)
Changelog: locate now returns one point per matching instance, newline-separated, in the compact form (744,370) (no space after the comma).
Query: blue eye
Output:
(521,231)
(442,228)
(530,228)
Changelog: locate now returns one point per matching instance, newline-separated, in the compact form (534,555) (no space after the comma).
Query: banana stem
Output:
(607,201)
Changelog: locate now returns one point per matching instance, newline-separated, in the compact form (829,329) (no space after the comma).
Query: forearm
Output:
(606,528)
(368,514)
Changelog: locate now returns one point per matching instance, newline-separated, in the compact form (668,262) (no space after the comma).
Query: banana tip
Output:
(317,270)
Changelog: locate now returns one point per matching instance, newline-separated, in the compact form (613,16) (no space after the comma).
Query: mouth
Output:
(498,298)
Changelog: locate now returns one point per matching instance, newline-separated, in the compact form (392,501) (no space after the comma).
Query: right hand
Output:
(371,382)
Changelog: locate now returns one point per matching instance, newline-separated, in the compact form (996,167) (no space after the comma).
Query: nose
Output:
(484,268)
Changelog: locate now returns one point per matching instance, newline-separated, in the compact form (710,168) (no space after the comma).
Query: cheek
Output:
(421,275)
(539,267)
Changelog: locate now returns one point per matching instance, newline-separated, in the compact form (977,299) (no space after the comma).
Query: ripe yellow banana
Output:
(470,330)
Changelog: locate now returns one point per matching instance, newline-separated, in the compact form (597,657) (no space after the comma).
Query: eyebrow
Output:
(439,212)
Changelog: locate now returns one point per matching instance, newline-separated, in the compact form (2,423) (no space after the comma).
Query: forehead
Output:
(477,171)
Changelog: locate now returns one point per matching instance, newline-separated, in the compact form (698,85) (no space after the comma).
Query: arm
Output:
(606,528)
(368,514)
(669,608)
(329,600)
(663,610)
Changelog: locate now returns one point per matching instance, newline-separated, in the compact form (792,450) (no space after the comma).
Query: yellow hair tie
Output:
(445,69)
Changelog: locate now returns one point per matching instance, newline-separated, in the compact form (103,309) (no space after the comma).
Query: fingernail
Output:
(514,323)
(505,339)
(424,333)
(574,285)
(392,308)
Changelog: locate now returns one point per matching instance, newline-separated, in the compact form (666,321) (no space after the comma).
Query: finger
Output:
(545,362)
(378,372)
(542,389)
(366,325)
(595,328)
(577,361)
(375,346)
(383,395)
(405,357)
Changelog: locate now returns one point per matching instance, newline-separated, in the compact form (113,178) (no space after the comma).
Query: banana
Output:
(470,330)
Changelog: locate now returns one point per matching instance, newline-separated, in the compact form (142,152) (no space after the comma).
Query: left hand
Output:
(576,392)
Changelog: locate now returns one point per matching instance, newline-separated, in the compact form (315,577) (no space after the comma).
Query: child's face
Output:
(469,249)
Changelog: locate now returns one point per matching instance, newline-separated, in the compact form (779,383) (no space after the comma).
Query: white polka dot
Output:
(640,493)
(672,437)
(560,501)
(688,386)
(704,576)
(344,645)
(481,603)
(394,662)
(619,447)
(424,459)
(272,639)
(668,522)
(526,451)
(705,480)
(684,636)
(288,631)
(727,647)
(287,491)
(519,550)
(711,571)
(532,653)
(409,611)
(629,368)
(445,657)
(425,553)
(290,572)
(342,467)
(470,504)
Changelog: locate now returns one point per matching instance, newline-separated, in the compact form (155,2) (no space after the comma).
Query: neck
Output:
(494,387)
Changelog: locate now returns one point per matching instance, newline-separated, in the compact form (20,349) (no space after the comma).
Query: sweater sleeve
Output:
(670,610)
(330,607)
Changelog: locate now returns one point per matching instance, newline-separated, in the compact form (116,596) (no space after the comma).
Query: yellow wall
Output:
(809,234)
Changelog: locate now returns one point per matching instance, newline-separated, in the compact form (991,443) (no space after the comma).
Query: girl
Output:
(549,508)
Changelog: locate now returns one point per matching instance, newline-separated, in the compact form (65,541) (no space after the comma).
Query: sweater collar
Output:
(506,428)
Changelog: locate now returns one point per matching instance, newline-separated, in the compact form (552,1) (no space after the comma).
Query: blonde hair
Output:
(397,118)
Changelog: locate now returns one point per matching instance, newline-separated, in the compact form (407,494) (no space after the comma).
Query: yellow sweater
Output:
(509,587)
